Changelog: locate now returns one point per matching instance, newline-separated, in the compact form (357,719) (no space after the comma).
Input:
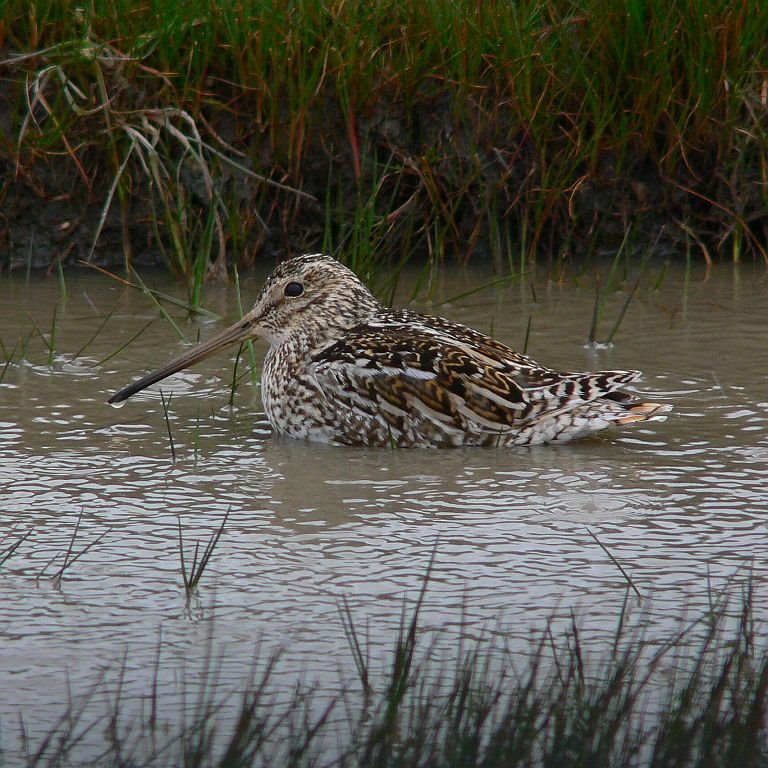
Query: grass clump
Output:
(192,575)
(539,128)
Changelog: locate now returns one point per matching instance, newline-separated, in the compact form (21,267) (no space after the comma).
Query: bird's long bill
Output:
(237,333)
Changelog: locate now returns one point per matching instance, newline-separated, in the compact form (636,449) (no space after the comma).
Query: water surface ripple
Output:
(681,505)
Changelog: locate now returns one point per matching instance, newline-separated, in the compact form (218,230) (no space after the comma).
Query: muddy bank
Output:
(49,213)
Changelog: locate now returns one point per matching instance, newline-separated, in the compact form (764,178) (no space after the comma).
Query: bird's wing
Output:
(450,373)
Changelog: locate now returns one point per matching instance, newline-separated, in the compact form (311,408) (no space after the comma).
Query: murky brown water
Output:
(681,505)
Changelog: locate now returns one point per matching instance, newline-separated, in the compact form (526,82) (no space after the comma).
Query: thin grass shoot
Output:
(615,562)
(166,406)
(70,556)
(200,561)
(10,550)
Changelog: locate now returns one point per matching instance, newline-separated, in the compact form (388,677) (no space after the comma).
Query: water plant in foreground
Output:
(696,699)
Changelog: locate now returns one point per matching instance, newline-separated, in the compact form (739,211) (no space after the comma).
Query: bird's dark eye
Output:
(294,289)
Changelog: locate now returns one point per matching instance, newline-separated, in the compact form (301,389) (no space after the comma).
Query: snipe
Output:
(342,368)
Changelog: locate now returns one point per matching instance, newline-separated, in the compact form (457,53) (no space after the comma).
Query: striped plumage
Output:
(342,368)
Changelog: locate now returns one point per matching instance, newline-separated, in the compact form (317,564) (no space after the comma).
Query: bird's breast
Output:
(291,399)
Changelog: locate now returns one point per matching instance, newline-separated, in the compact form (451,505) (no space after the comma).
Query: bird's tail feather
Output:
(645,412)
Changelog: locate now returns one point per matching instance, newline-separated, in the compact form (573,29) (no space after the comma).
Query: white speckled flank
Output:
(341,368)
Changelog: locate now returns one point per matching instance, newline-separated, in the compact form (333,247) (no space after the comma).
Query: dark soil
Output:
(51,206)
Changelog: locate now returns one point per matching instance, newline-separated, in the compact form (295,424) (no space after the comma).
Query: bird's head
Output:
(313,297)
